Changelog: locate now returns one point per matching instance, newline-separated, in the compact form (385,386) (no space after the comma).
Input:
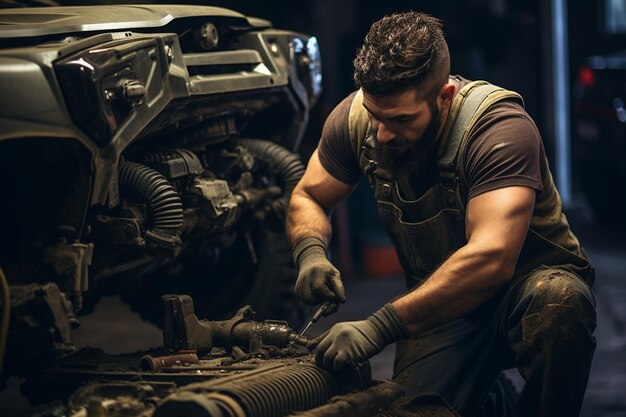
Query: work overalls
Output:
(542,322)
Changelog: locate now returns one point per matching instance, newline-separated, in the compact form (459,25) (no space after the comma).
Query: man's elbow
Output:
(503,263)
(498,263)
(300,201)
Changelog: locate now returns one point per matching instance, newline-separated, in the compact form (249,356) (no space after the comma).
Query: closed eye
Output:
(403,119)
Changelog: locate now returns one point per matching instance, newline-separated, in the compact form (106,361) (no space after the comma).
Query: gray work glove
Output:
(318,279)
(350,343)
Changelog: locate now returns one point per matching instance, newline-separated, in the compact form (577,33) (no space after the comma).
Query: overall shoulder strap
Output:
(358,124)
(467,107)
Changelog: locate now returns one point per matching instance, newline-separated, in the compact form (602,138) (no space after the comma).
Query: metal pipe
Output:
(156,363)
(560,82)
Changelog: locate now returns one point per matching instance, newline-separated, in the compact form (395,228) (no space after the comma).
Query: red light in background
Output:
(586,77)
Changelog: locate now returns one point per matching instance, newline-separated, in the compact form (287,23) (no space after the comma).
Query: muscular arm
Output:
(312,201)
(496,226)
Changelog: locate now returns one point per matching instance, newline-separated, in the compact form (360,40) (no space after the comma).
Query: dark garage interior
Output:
(568,61)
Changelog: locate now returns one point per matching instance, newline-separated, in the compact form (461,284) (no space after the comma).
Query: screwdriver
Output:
(318,314)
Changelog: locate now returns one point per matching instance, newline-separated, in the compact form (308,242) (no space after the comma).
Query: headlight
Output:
(309,61)
(315,66)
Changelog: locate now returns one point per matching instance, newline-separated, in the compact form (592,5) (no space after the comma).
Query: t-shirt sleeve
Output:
(505,149)
(334,149)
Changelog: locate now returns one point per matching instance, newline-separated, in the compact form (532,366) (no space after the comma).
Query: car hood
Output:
(38,21)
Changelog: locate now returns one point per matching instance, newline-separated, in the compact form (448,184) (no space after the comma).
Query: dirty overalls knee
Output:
(543,326)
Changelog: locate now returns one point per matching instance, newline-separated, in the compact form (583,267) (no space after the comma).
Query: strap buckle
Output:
(447,176)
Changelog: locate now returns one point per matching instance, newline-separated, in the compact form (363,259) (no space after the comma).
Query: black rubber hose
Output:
(270,391)
(292,387)
(288,164)
(165,208)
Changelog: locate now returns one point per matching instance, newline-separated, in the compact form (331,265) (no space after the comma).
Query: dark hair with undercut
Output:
(403,50)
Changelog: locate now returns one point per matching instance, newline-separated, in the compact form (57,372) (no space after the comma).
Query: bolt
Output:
(210,36)
(386,189)
(169,54)
(274,49)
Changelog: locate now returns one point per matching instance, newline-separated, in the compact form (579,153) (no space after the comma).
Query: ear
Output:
(445,96)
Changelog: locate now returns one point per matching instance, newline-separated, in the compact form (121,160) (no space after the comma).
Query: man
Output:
(464,191)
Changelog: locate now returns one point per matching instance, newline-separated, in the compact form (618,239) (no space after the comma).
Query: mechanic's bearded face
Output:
(405,127)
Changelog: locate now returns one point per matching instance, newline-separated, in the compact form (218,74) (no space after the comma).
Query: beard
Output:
(404,160)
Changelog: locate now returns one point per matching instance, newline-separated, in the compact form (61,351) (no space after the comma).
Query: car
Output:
(146,150)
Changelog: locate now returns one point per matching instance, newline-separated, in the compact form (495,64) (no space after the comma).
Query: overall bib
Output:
(461,359)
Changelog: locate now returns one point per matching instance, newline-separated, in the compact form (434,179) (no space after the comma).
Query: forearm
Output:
(467,279)
(306,218)
(312,201)
(308,230)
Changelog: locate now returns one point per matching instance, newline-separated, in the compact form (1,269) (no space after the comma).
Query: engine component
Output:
(41,319)
(288,165)
(273,387)
(120,399)
(71,265)
(165,209)
(222,206)
(183,331)
(116,230)
(173,163)
(133,91)
(270,391)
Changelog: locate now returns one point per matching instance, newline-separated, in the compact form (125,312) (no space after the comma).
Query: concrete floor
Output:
(116,329)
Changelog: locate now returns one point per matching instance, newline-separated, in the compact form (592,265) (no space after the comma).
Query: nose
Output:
(384,135)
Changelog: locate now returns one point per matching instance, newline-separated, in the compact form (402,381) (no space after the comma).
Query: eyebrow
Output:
(398,116)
